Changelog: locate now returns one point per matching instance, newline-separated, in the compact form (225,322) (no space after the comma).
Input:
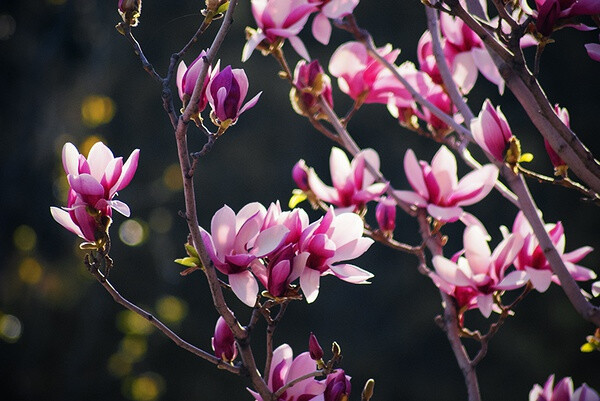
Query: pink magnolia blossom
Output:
(223,342)
(187,77)
(353,184)
(334,9)
(94,183)
(338,386)
(531,259)
(385,214)
(563,391)
(362,77)
(225,93)
(491,130)
(236,240)
(480,273)
(436,186)
(285,368)
(278,20)
(300,175)
(325,243)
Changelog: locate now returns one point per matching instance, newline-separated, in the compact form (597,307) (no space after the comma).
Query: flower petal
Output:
(351,274)
(244,286)
(309,282)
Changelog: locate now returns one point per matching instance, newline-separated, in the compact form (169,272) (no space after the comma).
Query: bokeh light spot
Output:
(171,309)
(146,387)
(97,110)
(24,238)
(132,232)
(160,220)
(172,178)
(30,271)
(133,347)
(131,323)
(10,328)
(119,365)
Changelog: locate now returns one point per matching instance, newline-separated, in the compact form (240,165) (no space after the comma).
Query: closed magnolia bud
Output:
(223,343)
(385,213)
(300,175)
(314,348)
(130,11)
(310,81)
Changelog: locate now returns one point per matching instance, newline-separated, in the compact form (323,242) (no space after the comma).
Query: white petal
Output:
(244,286)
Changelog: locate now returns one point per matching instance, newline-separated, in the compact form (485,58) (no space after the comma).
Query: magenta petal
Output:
(120,207)
(577,254)
(85,184)
(299,47)
(593,50)
(414,174)
(321,28)
(351,274)
(251,103)
(309,282)
(63,218)
(446,214)
(128,170)
(244,286)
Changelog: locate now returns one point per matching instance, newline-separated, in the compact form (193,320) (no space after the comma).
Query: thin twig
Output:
(561,181)
(282,389)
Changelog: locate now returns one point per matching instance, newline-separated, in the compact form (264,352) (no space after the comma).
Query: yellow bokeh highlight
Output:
(87,144)
(97,110)
(171,309)
(24,238)
(172,178)
(10,328)
(146,387)
(133,232)
(133,347)
(132,323)
(118,365)
(30,271)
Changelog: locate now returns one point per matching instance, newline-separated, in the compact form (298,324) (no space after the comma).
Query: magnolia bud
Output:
(314,348)
(338,387)
(130,11)
(223,343)
(300,175)
(368,390)
(385,213)
(310,81)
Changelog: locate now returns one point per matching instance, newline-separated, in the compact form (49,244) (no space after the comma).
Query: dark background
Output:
(63,338)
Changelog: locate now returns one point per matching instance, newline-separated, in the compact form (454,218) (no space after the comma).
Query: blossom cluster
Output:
(278,248)
(93,184)
(563,391)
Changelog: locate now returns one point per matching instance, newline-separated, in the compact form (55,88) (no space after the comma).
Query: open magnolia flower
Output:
(563,391)
(437,188)
(474,278)
(531,259)
(94,183)
(187,77)
(353,184)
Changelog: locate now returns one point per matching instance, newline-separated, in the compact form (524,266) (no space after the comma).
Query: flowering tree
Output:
(270,258)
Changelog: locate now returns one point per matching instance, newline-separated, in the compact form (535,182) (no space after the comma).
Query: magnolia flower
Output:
(362,77)
(480,271)
(310,82)
(314,348)
(285,368)
(225,93)
(300,175)
(334,9)
(223,343)
(325,243)
(531,259)
(563,391)
(236,240)
(436,186)
(187,77)
(353,184)
(278,20)
(491,131)
(94,183)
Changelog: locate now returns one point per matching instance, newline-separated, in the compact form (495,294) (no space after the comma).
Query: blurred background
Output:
(67,75)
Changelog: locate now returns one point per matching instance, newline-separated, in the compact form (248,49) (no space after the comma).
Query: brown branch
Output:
(161,326)
(563,181)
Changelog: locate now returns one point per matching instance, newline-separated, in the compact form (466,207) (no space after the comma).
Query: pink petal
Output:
(251,210)
(348,227)
(580,273)
(309,282)
(98,158)
(300,366)
(446,214)
(411,198)
(269,240)
(85,184)
(251,103)
(120,207)
(443,167)
(321,28)
(128,170)
(484,303)
(181,69)
(299,47)
(488,69)
(282,356)
(370,193)
(414,174)
(63,218)
(339,8)
(593,50)
(244,286)
(321,191)
(450,272)
(475,186)
(515,279)
(70,159)
(577,254)
(540,279)
(254,40)
(351,274)
(351,250)
(372,159)
(298,265)
(339,167)
(464,71)
(477,250)
(222,228)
